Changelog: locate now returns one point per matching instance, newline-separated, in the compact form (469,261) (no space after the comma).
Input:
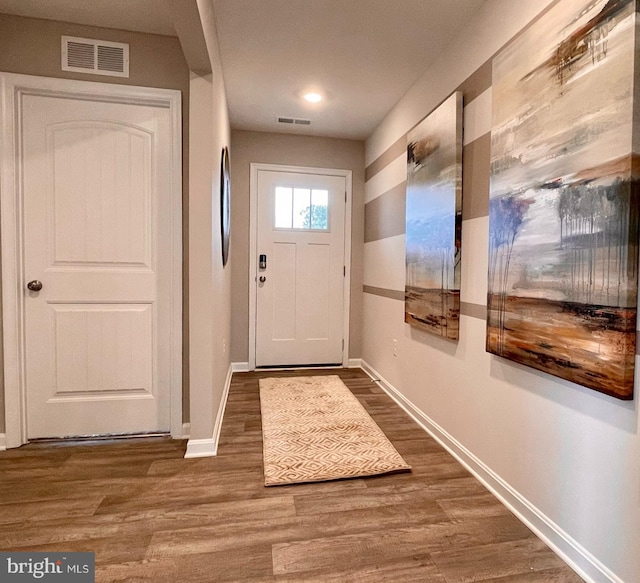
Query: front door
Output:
(300,268)
(96,179)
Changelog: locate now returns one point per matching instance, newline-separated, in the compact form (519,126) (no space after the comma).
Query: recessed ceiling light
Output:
(313,97)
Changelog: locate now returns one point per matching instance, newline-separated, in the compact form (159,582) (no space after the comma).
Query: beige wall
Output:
(292,150)
(209,282)
(566,458)
(31,46)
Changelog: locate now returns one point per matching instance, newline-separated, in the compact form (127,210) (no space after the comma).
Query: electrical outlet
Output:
(224,346)
(395,347)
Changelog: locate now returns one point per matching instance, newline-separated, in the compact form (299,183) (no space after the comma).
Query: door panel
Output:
(96,179)
(113,194)
(282,279)
(317,316)
(102,348)
(299,309)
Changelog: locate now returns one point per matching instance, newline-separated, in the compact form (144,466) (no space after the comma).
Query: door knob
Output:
(262,279)
(35,285)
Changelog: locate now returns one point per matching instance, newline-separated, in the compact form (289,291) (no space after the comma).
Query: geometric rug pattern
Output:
(314,429)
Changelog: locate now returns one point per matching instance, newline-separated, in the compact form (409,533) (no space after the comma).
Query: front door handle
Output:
(34,285)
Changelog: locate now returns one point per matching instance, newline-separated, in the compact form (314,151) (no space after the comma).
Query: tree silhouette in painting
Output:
(507,216)
(594,232)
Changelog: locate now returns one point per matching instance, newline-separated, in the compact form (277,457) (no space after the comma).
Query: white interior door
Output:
(96,179)
(299,302)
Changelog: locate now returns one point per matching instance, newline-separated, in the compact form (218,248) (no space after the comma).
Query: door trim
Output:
(253,238)
(12,88)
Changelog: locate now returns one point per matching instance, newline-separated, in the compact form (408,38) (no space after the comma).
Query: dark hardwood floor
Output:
(151,515)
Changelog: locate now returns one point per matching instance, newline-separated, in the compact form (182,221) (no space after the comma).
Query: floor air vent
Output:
(295,120)
(97,57)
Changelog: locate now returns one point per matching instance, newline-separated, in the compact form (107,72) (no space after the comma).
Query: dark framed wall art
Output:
(225,204)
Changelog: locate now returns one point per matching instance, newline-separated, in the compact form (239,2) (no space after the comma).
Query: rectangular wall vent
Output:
(295,120)
(97,57)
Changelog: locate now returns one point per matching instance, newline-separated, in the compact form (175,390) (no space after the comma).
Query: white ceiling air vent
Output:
(97,57)
(294,120)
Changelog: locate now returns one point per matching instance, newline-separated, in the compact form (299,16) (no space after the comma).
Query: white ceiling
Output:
(363,54)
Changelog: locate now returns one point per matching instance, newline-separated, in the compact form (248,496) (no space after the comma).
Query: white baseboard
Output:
(355,363)
(209,447)
(577,557)
(201,448)
(3,441)
(186,430)
(223,405)
(240,366)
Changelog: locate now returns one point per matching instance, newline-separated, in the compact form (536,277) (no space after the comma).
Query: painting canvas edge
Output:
(436,309)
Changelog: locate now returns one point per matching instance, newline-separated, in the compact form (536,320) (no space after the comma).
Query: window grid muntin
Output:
(290,202)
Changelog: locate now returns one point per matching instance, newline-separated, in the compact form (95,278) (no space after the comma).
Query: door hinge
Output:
(344,271)
(345,196)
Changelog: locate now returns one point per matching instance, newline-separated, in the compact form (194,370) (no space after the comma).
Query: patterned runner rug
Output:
(315,429)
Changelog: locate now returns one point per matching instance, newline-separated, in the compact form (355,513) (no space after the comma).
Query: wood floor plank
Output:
(108,550)
(473,506)
(286,530)
(417,569)
(374,498)
(42,490)
(455,487)
(378,547)
(66,533)
(491,561)
(20,512)
(151,515)
(243,566)
(557,575)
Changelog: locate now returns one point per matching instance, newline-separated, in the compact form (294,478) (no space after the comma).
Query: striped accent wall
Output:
(385,206)
(476,158)
(385,185)
(398,149)
(384,216)
(384,293)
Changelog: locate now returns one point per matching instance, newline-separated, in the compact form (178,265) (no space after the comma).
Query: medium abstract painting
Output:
(563,209)
(433,221)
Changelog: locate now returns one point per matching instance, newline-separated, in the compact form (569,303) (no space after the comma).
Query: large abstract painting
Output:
(433,220)
(563,209)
